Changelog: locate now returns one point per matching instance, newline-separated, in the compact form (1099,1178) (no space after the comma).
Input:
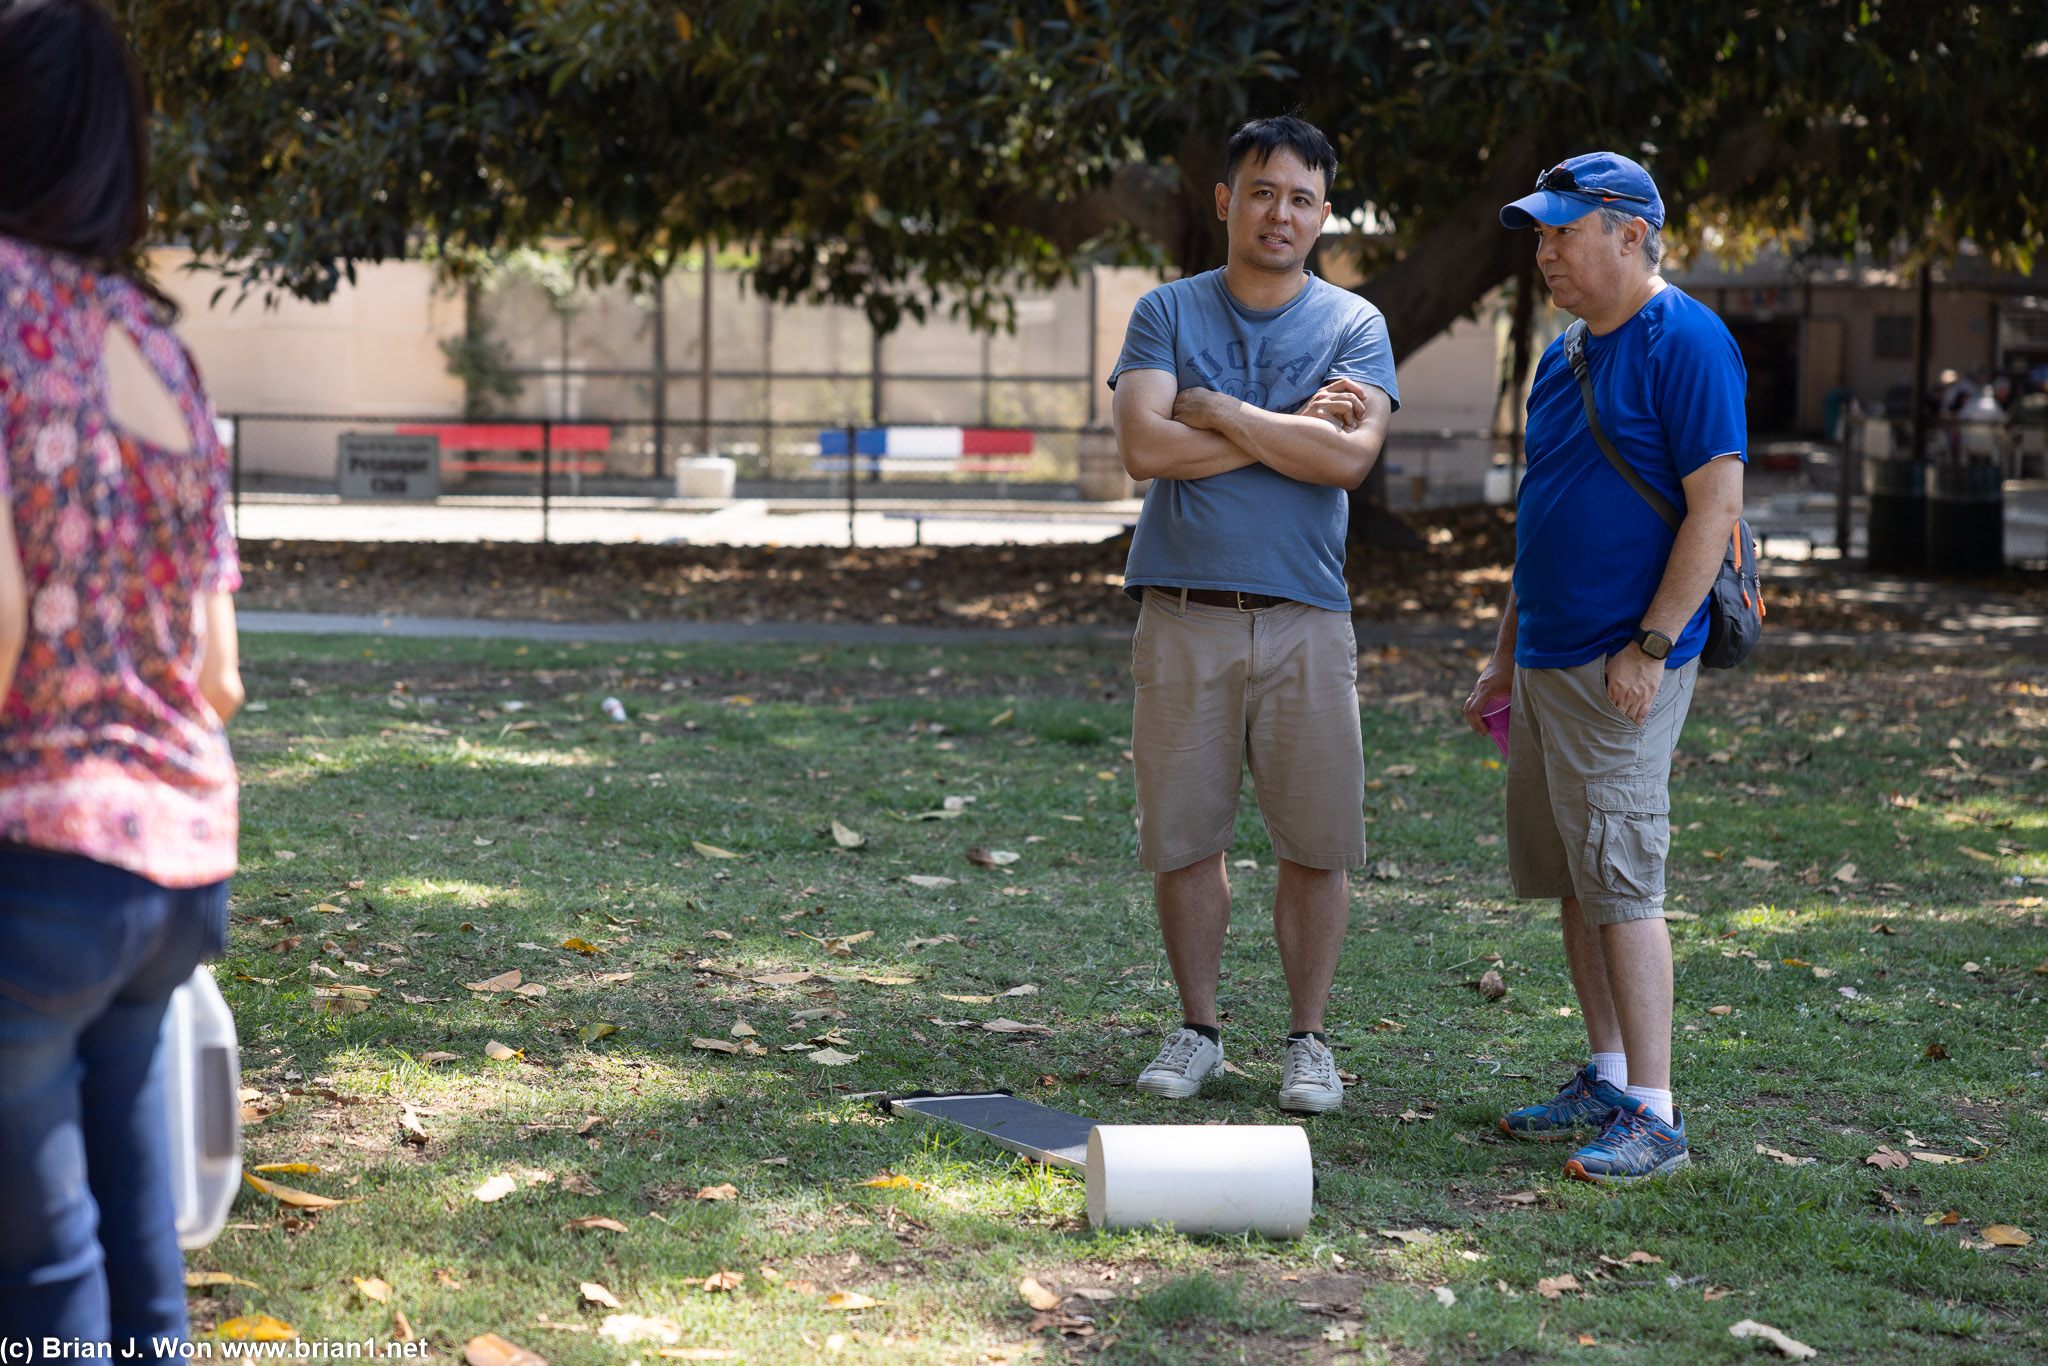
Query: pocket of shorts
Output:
(1613,708)
(1628,837)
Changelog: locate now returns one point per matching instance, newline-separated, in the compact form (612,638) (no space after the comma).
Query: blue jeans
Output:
(89,957)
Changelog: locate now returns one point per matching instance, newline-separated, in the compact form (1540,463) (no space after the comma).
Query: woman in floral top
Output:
(117,674)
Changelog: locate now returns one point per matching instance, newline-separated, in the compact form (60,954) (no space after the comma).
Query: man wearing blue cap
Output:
(1600,641)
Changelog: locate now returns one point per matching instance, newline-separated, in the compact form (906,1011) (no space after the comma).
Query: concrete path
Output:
(2003,633)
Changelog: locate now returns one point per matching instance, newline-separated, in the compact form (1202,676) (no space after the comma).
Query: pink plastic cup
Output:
(1496,719)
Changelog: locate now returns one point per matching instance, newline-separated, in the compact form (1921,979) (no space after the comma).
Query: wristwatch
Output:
(1655,644)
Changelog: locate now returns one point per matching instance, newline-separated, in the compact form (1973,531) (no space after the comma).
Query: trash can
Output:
(1966,519)
(1898,515)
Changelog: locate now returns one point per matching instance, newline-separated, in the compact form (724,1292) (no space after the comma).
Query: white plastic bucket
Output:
(706,476)
(202,1104)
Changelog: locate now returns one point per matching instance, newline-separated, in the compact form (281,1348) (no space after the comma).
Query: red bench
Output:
(518,436)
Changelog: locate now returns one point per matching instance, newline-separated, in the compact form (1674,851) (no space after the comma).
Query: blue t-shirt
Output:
(1589,552)
(1252,529)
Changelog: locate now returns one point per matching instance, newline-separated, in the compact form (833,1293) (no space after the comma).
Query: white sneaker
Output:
(1309,1084)
(1184,1062)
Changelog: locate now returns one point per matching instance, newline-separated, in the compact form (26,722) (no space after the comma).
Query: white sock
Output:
(1658,1101)
(1612,1068)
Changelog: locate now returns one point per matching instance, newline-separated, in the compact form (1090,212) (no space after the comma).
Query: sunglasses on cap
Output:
(1561,180)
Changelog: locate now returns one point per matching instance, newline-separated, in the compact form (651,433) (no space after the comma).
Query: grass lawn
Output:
(1857,871)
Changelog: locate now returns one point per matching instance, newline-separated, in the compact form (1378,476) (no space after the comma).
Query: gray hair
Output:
(1653,240)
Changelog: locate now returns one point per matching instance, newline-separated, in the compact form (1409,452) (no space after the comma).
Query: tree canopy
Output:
(893,155)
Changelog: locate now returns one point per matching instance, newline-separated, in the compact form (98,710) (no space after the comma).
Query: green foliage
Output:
(894,155)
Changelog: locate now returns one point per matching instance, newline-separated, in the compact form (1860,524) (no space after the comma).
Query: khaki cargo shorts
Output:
(1589,791)
(1218,686)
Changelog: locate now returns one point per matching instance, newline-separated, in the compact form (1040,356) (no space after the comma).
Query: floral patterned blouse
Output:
(107,748)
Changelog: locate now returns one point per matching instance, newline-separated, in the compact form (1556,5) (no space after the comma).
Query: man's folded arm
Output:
(1310,449)
(1156,446)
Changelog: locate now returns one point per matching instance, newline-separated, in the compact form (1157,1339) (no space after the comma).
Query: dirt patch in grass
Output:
(1459,576)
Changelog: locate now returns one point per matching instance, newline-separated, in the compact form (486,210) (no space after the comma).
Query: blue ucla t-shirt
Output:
(1254,529)
(1589,552)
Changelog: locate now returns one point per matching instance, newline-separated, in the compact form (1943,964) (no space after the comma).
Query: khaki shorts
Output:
(1589,791)
(1217,686)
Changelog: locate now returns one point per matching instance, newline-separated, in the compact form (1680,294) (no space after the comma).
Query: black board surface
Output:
(1054,1137)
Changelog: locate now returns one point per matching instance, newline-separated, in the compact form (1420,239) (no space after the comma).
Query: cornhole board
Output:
(1039,1132)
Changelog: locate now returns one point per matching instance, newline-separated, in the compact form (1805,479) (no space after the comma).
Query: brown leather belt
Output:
(1243,602)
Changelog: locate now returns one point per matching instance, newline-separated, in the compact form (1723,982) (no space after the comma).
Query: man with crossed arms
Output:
(1600,640)
(1252,396)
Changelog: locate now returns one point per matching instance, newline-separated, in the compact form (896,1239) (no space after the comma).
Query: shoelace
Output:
(1178,1052)
(1631,1124)
(1309,1063)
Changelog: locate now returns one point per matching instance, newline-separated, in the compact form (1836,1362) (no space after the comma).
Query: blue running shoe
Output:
(1586,1102)
(1634,1146)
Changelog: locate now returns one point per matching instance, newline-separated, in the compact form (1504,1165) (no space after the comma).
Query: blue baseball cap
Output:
(1598,180)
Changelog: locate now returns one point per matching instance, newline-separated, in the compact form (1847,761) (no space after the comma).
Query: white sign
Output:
(371,466)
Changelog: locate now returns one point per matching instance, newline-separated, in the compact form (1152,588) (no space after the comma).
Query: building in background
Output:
(378,355)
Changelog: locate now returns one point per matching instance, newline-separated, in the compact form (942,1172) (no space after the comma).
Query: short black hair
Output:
(1260,138)
(74,140)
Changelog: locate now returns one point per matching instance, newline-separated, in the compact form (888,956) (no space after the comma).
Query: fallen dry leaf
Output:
(725,1281)
(289,1168)
(991,858)
(496,1188)
(713,851)
(1720,1010)
(1942,1220)
(1888,1159)
(1491,986)
(928,881)
(715,1045)
(498,1052)
(846,837)
(590,1221)
(435,1058)
(1519,1198)
(597,1029)
(2005,1235)
(630,1328)
(258,1328)
(504,981)
(593,1293)
(1399,770)
(375,1289)
(1002,1025)
(199,1280)
(831,1057)
(967,1000)
(1407,1235)
(1763,865)
(580,945)
(288,943)
(1416,1116)
(848,1299)
(414,1130)
(401,1327)
(1553,1287)
(1036,1295)
(1977,854)
(892,1181)
(1936,1052)
(726,1191)
(742,1030)
(784,979)
(296,1199)
(1777,1155)
(1233,1069)
(325,1004)
(1938,1159)
(489,1349)
(576,1183)
(1787,1347)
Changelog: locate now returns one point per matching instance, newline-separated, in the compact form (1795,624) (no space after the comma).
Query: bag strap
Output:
(1575,353)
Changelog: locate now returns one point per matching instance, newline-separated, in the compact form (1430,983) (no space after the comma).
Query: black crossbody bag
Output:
(1735,604)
